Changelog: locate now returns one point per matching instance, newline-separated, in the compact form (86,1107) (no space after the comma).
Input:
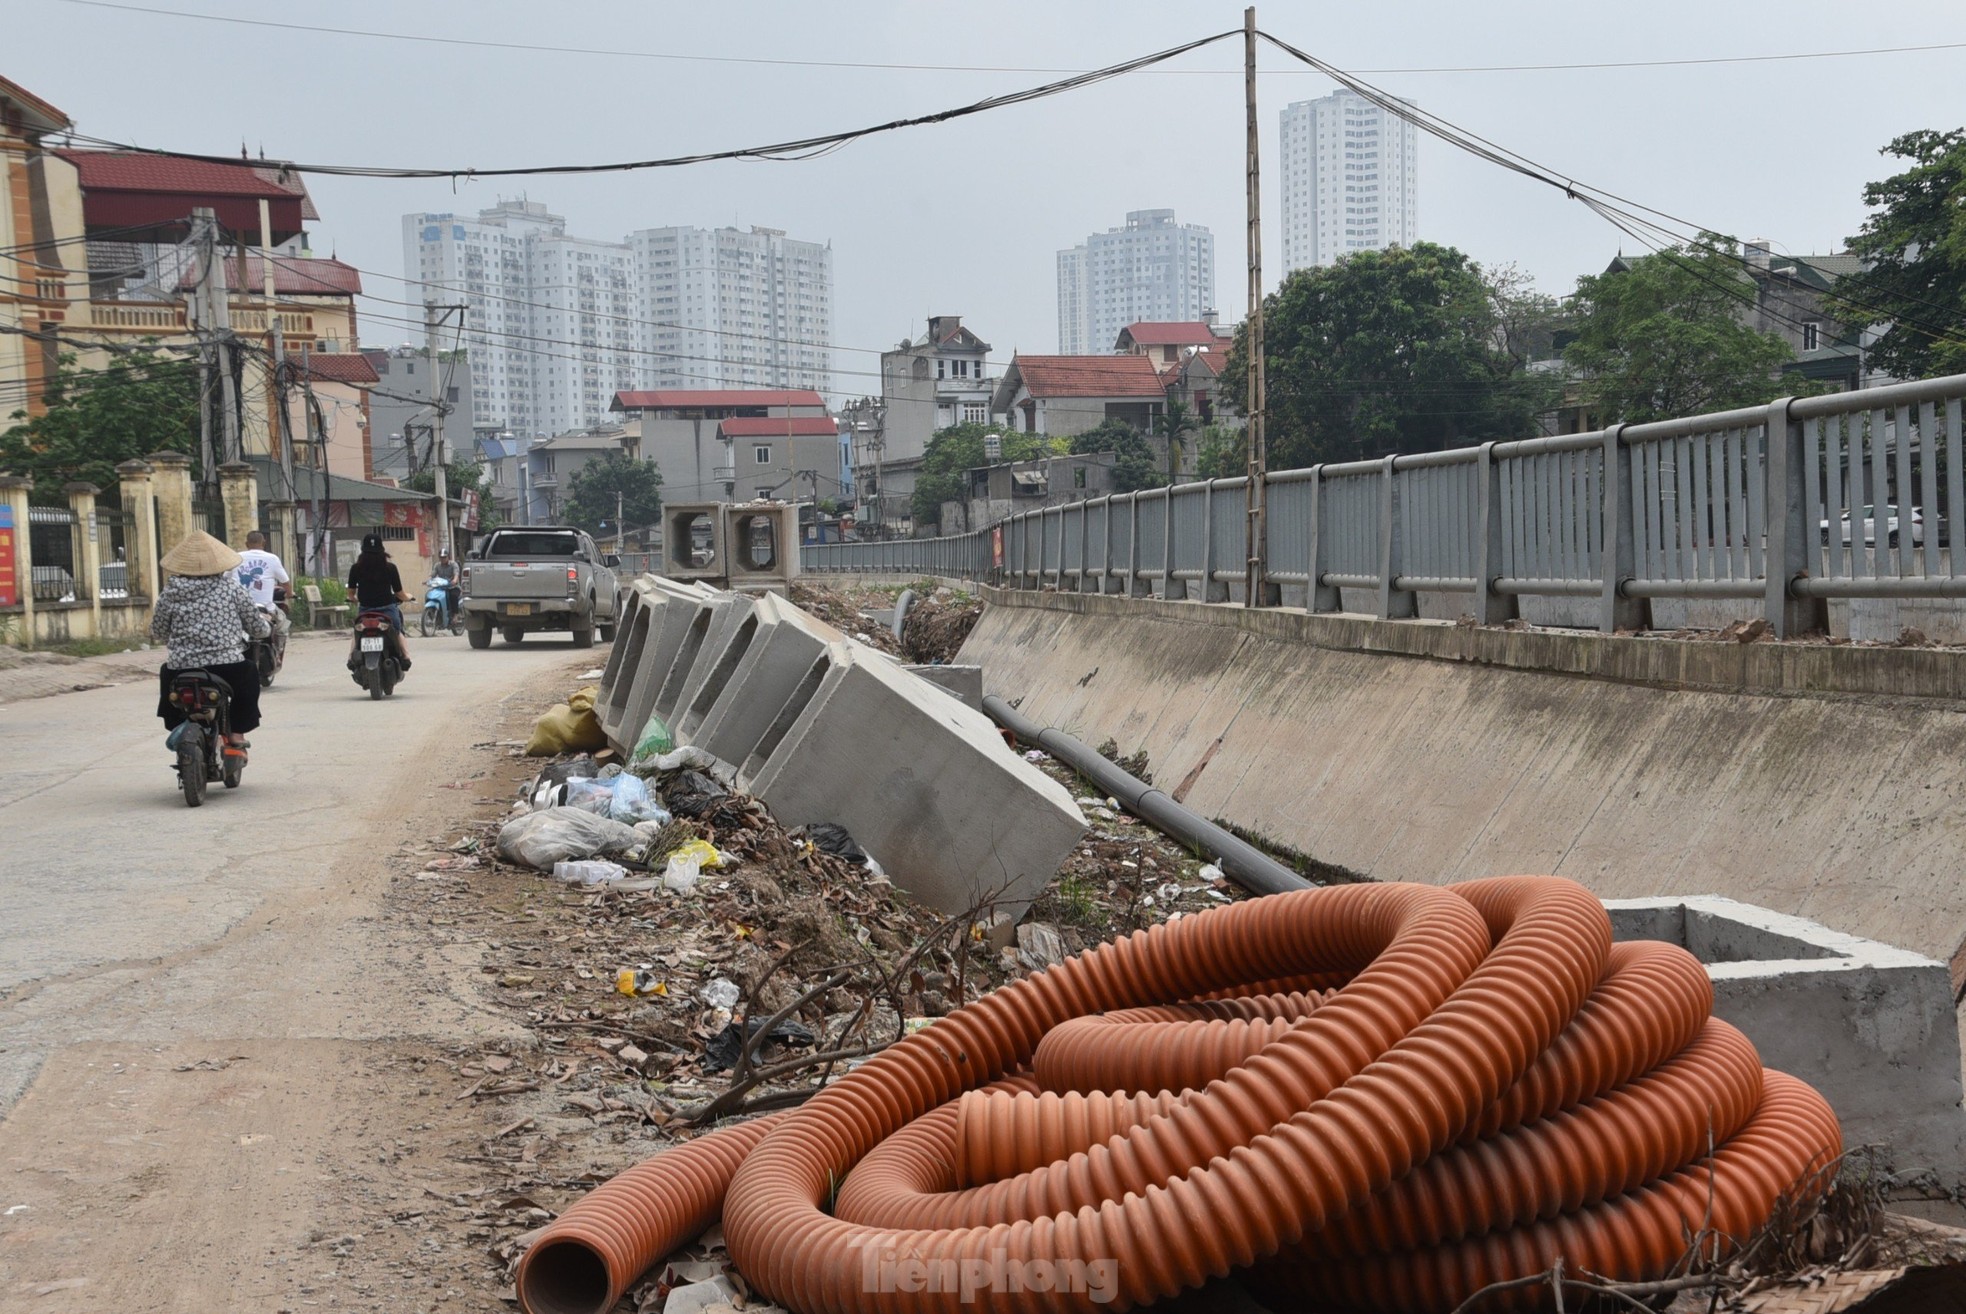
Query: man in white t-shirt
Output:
(259,571)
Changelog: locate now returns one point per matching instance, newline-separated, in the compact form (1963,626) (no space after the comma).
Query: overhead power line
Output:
(803,148)
(765,61)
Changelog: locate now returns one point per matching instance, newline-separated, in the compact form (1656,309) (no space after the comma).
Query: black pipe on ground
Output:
(1241,862)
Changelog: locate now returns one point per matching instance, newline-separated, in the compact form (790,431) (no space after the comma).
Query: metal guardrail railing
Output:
(1849,495)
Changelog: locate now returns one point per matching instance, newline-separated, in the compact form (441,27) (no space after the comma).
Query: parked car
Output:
(539,578)
(1915,521)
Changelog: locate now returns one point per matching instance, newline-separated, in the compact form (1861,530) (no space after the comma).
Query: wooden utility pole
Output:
(1256,566)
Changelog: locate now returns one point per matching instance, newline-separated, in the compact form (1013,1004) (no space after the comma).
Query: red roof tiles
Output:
(135,171)
(1088,376)
(342,367)
(667,399)
(779,426)
(1152,333)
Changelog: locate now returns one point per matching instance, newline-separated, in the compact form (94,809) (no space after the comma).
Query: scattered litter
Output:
(15,1209)
(630,801)
(1035,755)
(587,795)
(654,742)
(721,1050)
(1169,892)
(1211,873)
(590,871)
(639,981)
(541,839)
(702,1297)
(1100,812)
(685,865)
(574,768)
(721,993)
(1040,946)
(594,674)
(568,727)
(829,838)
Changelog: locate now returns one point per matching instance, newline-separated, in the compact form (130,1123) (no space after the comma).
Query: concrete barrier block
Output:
(1870,1026)
(963,683)
(714,622)
(669,625)
(925,784)
(730,719)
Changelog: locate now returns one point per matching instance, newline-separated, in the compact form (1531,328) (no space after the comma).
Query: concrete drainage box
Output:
(1871,1027)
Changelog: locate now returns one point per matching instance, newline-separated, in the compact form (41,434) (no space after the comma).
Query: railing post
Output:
(1318,596)
(1393,604)
(1168,584)
(1085,547)
(1208,544)
(1788,528)
(13,501)
(140,546)
(1490,607)
(1618,555)
(87,552)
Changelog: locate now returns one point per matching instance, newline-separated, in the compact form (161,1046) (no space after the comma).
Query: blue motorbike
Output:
(438,614)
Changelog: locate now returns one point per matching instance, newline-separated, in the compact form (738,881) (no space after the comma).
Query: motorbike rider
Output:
(378,586)
(446,570)
(204,615)
(262,572)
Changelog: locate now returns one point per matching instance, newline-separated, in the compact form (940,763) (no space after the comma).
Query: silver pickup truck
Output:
(539,578)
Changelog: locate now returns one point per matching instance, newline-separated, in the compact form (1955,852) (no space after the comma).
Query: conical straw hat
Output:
(200,554)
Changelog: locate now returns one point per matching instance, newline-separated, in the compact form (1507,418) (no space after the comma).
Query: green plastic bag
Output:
(655,741)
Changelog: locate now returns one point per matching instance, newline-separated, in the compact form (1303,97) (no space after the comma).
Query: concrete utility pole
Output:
(198,316)
(317,448)
(278,437)
(433,319)
(1256,567)
(617,520)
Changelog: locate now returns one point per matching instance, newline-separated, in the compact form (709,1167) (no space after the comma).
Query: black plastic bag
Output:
(721,1050)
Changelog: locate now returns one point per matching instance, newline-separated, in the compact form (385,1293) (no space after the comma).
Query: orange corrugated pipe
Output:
(1493,1086)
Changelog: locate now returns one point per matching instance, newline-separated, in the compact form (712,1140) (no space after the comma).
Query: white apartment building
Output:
(557,325)
(730,309)
(1350,179)
(1151,269)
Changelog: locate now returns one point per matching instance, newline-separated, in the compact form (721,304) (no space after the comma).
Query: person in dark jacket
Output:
(378,586)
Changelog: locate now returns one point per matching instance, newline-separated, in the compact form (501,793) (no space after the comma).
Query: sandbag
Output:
(540,839)
(569,727)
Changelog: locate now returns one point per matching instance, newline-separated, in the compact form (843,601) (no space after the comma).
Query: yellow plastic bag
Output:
(569,727)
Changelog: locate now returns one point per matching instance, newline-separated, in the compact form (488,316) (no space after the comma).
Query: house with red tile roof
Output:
(682,431)
(1060,396)
(1167,343)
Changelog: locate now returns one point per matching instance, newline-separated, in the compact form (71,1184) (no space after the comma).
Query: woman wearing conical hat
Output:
(204,615)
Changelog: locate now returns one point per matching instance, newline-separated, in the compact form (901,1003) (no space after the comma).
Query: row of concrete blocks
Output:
(825,729)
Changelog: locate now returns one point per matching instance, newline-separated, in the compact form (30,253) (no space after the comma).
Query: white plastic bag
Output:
(540,839)
(630,802)
(590,871)
(683,871)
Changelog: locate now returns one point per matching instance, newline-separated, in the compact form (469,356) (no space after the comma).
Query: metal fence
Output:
(55,553)
(1842,496)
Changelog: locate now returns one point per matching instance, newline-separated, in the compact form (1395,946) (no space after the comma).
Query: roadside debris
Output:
(555,834)
(936,626)
(568,727)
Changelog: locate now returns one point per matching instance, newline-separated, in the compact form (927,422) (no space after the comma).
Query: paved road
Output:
(140,939)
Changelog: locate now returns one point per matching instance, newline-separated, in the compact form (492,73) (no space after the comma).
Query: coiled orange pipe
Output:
(1494,1085)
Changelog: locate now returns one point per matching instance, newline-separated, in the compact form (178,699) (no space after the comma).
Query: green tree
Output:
(459,475)
(1393,350)
(595,489)
(139,403)
(1177,420)
(1914,248)
(1661,335)
(957,449)
(1224,452)
(1133,463)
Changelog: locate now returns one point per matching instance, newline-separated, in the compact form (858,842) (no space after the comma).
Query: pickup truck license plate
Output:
(372,644)
(518,609)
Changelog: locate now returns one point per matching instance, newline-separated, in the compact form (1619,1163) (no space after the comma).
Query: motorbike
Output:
(199,741)
(437,613)
(377,665)
(268,655)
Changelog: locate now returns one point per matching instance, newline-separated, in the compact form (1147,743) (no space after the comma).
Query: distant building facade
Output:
(401,419)
(681,431)
(1350,179)
(558,324)
(1153,268)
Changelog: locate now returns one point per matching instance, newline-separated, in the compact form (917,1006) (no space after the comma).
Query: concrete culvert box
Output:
(693,542)
(1870,1026)
(761,543)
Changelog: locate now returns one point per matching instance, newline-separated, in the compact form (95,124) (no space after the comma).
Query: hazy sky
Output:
(966,217)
